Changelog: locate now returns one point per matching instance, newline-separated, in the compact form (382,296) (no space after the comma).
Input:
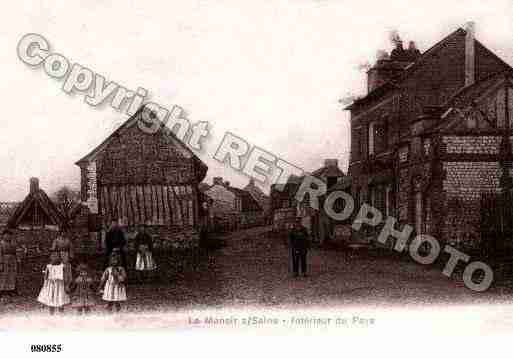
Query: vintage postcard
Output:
(331,177)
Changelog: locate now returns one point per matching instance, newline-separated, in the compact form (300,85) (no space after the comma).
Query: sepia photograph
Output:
(281,178)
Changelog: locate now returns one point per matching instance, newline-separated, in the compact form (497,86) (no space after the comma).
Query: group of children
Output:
(59,285)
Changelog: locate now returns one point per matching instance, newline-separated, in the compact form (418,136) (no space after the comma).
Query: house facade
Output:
(233,208)
(284,205)
(135,177)
(431,139)
(263,200)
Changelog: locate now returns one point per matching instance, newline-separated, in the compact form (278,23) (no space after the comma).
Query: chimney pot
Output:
(34,185)
(469,54)
(227,183)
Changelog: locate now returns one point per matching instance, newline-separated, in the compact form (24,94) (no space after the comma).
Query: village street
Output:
(252,270)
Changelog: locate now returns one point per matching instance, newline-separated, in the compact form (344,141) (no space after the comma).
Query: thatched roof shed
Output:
(36,210)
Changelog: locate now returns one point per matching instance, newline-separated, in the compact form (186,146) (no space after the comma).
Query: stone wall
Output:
(463,184)
(168,237)
(472,144)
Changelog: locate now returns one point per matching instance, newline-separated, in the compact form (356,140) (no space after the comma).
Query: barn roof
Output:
(130,122)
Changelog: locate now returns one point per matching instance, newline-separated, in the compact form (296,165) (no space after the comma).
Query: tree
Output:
(66,198)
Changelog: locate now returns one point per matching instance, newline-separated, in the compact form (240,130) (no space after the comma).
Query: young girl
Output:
(113,283)
(82,286)
(53,293)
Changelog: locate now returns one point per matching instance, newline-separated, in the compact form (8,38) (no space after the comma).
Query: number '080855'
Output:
(46,348)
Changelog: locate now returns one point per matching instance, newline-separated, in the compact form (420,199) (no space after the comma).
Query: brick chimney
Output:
(34,185)
(388,67)
(470,59)
(217,180)
(330,162)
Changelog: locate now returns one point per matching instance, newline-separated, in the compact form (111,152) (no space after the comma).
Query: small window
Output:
(371,138)
(377,137)
(357,144)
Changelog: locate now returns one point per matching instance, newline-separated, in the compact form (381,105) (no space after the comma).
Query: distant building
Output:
(37,211)
(35,221)
(135,176)
(286,208)
(233,208)
(262,199)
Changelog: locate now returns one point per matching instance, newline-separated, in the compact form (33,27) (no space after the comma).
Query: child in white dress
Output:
(113,283)
(53,293)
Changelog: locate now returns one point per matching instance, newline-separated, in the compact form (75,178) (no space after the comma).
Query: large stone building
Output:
(135,176)
(431,139)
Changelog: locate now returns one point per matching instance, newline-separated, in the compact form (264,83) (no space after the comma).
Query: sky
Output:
(271,72)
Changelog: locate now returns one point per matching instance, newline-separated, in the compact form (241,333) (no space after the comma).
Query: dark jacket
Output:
(115,238)
(298,239)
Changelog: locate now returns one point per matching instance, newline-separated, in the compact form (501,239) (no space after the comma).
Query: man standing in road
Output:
(298,241)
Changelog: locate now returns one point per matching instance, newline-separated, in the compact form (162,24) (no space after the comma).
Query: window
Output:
(371,138)
(357,198)
(357,144)
(418,212)
(377,137)
(382,198)
(378,198)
